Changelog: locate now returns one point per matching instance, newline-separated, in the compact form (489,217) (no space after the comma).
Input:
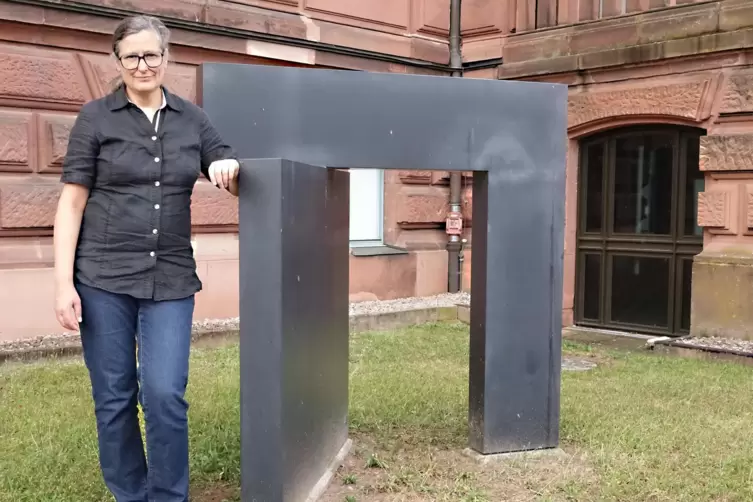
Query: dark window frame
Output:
(677,246)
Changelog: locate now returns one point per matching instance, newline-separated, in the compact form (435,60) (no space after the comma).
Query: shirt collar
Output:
(119,99)
(161,106)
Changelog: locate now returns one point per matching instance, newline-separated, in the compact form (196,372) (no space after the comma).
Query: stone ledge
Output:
(631,54)
(235,24)
(728,257)
(377,250)
(609,338)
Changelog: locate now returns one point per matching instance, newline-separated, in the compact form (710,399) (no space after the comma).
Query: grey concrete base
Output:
(321,486)
(514,456)
(617,339)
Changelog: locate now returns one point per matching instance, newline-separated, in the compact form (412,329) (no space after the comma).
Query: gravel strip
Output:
(68,340)
(720,344)
(401,304)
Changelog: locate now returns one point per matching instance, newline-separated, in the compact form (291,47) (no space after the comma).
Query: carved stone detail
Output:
(749,206)
(39,75)
(426,206)
(55,130)
(101,72)
(738,94)
(14,141)
(713,209)
(678,100)
(726,153)
(28,206)
(415,177)
(212,207)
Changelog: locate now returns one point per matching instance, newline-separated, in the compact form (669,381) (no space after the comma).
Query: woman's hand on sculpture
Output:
(224,174)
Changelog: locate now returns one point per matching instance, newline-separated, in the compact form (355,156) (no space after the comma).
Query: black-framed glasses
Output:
(132,61)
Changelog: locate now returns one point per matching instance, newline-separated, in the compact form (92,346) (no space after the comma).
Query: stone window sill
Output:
(377,250)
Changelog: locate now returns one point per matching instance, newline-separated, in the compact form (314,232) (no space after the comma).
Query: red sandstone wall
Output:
(47,76)
(40,93)
(52,76)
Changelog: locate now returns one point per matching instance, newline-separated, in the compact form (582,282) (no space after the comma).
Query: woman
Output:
(124,266)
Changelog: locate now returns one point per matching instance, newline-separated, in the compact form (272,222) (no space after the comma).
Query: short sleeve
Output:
(80,163)
(213,148)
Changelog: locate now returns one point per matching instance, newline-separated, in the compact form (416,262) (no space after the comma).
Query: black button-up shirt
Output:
(135,236)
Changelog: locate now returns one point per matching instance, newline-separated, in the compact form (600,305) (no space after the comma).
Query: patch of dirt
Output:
(408,472)
(219,493)
(573,363)
(376,474)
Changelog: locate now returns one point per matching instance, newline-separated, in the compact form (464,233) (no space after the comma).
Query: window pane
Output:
(693,185)
(643,184)
(591,286)
(594,178)
(640,290)
(687,278)
(366,188)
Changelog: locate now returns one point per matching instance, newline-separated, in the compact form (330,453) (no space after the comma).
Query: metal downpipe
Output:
(454,242)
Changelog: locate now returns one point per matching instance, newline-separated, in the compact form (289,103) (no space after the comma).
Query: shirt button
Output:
(154,138)
(154,231)
(156,206)
(156,183)
(151,254)
(156,159)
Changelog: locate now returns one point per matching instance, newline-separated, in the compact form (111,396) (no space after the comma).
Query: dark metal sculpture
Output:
(293,238)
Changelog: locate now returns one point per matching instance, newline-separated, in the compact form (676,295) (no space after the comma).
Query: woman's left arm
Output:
(218,159)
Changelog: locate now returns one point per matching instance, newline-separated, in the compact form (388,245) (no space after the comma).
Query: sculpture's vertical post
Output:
(516,291)
(293,234)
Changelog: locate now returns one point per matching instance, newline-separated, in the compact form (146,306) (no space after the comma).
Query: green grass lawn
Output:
(638,428)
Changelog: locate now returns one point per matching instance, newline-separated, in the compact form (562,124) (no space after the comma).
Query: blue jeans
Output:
(137,351)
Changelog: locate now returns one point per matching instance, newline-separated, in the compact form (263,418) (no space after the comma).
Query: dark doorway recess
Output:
(637,231)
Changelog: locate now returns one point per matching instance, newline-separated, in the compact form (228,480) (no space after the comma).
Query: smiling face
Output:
(142,61)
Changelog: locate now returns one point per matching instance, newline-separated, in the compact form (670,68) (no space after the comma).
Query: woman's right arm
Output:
(68,218)
(79,171)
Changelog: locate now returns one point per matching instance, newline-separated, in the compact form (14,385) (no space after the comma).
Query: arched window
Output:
(637,231)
